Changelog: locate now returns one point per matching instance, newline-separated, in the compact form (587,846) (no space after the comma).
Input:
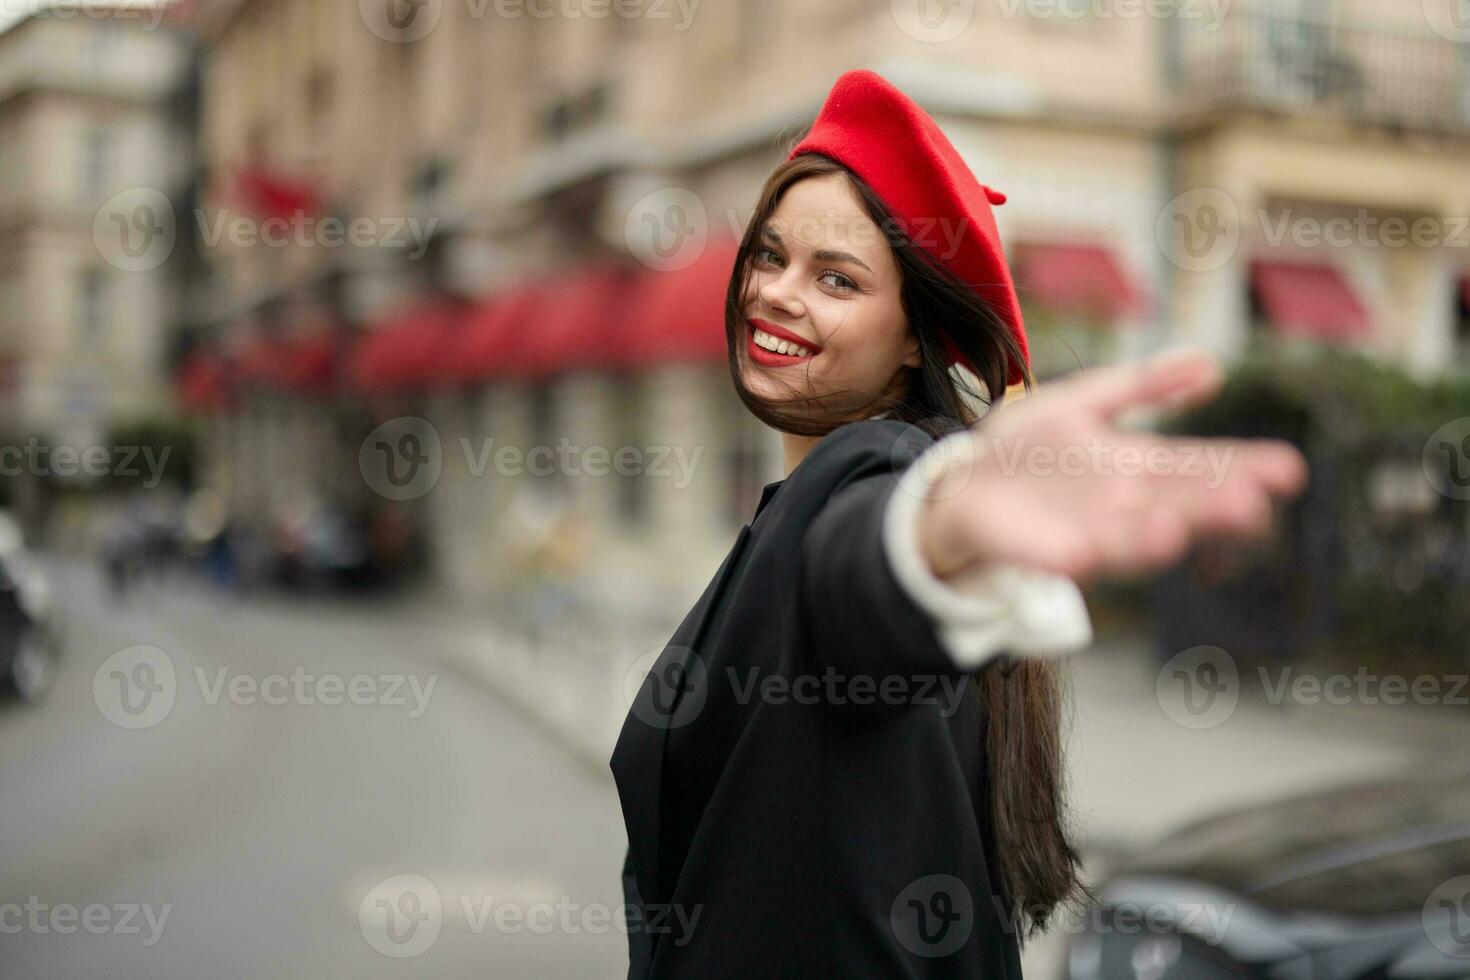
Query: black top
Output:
(801,773)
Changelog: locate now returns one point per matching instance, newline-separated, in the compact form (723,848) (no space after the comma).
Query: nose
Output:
(778,294)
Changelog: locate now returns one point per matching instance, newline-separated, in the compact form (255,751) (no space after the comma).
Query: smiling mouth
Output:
(770,350)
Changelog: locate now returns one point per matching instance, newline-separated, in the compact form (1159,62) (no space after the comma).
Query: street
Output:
(240,838)
(334,788)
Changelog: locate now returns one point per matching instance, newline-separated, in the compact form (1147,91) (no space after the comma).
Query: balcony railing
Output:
(1357,72)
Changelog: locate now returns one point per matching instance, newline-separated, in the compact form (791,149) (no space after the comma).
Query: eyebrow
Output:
(821,254)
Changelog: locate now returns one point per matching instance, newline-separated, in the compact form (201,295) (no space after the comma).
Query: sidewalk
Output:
(1134,772)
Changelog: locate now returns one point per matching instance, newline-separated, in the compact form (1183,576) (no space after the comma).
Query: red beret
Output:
(882,135)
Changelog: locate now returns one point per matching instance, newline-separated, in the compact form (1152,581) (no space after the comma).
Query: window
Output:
(96,161)
(632,484)
(542,411)
(91,312)
(577,111)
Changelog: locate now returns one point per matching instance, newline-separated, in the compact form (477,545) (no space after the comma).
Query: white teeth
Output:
(779,346)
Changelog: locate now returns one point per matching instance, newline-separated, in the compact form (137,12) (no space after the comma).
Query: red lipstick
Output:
(769,358)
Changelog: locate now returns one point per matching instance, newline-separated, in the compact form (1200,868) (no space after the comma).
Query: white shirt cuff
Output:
(995,608)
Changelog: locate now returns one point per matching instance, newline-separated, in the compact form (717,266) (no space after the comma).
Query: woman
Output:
(835,769)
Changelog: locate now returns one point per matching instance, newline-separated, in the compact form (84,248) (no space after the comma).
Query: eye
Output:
(846,283)
(763,251)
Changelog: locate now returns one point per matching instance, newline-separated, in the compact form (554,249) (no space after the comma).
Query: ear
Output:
(911,356)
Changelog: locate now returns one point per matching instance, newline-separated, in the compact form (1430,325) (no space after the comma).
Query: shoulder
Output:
(860,450)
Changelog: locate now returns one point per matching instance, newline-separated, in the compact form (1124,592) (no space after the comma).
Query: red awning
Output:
(488,346)
(202,384)
(680,315)
(1309,300)
(1077,279)
(266,193)
(304,364)
(413,348)
(581,324)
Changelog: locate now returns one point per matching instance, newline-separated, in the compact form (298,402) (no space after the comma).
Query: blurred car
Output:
(29,636)
(1365,881)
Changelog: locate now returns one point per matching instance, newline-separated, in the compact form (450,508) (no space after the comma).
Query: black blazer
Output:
(801,773)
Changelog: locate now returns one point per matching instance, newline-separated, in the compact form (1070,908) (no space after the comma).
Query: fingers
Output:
(1169,380)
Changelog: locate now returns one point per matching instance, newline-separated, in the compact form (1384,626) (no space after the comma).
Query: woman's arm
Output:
(1049,491)
(990,608)
(867,627)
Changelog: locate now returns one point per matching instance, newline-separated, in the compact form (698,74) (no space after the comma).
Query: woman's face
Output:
(823,278)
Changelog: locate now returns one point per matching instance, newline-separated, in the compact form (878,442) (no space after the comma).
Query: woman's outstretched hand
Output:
(1055,484)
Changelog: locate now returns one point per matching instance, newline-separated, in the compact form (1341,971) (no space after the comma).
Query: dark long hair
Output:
(1021,700)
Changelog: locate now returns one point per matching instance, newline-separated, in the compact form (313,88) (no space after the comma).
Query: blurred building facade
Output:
(1170,178)
(88,114)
